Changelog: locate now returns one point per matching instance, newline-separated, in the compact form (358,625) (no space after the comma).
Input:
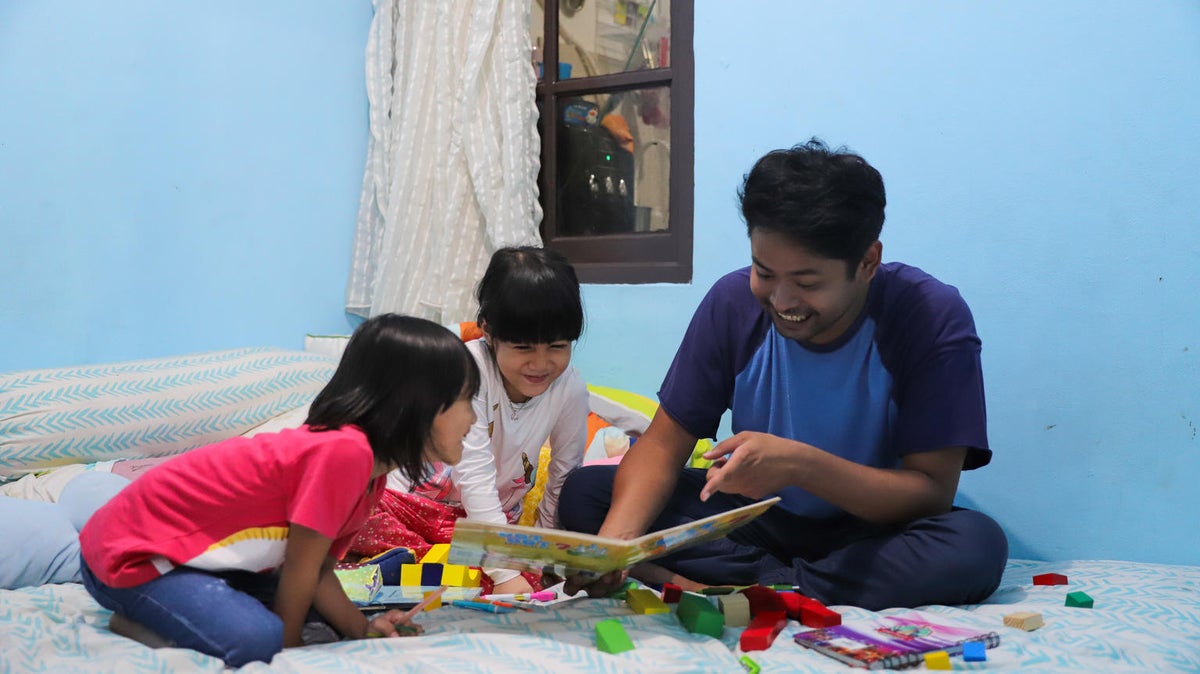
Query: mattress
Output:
(1146,618)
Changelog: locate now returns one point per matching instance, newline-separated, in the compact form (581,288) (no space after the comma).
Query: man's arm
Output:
(646,477)
(759,464)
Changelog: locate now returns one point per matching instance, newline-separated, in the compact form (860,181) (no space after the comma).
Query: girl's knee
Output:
(257,642)
(585,496)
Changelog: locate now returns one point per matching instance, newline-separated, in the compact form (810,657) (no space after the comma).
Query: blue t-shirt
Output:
(905,378)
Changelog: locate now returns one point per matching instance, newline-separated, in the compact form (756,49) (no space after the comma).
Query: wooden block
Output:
(736,608)
(699,616)
(1024,620)
(1078,600)
(436,603)
(455,575)
(794,601)
(438,554)
(762,631)
(431,574)
(1050,579)
(612,638)
(974,651)
(816,615)
(671,593)
(474,577)
(764,600)
(937,660)
(645,602)
(410,574)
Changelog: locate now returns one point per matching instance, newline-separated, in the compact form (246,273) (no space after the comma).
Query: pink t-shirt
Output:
(227,506)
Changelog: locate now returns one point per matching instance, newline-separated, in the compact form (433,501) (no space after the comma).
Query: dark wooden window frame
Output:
(656,257)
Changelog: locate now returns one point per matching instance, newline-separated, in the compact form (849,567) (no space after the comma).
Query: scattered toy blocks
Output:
(937,660)
(974,651)
(736,608)
(438,554)
(645,602)
(1078,600)
(1050,579)
(671,593)
(1024,620)
(749,665)
(762,631)
(699,616)
(612,638)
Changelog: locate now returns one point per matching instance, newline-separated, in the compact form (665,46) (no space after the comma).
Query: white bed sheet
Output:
(1146,618)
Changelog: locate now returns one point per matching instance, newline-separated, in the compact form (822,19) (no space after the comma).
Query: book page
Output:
(533,549)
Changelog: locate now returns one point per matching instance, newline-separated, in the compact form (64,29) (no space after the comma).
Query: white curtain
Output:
(452,161)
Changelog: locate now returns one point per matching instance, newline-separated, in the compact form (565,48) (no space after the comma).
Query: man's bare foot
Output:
(131,629)
(653,574)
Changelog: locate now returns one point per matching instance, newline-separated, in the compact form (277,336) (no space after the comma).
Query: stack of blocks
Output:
(433,570)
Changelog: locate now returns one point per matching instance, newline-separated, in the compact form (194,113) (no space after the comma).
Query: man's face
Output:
(809,297)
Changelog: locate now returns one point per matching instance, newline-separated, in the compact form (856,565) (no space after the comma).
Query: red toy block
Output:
(765,601)
(816,615)
(1050,579)
(762,632)
(671,593)
(794,601)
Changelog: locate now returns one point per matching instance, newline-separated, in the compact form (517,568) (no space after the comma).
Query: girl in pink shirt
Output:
(227,548)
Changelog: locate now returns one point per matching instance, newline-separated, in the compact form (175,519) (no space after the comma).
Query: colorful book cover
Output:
(891,642)
(510,546)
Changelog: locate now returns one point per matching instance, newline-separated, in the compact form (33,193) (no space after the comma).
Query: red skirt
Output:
(403,520)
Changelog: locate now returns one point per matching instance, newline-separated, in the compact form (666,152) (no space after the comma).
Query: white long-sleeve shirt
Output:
(500,453)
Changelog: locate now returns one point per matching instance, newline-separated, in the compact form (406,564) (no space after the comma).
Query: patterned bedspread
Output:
(1146,618)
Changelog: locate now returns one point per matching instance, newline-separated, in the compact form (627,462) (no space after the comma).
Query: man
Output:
(857,397)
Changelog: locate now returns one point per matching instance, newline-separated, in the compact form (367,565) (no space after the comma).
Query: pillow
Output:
(147,408)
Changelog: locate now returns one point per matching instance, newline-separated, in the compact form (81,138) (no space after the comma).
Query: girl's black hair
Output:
(396,374)
(530,296)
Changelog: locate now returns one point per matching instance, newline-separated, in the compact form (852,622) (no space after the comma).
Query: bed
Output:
(1146,616)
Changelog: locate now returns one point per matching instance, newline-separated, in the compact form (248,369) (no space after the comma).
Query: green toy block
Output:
(611,637)
(749,665)
(645,602)
(699,616)
(1078,600)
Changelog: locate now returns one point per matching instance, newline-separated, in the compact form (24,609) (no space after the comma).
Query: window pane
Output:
(600,37)
(614,163)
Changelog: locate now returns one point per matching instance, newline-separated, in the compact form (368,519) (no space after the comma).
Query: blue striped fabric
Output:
(159,407)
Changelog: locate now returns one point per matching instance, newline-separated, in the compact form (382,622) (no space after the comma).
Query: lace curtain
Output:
(452,161)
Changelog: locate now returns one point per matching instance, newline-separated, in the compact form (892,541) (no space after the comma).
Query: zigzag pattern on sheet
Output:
(147,408)
(1147,618)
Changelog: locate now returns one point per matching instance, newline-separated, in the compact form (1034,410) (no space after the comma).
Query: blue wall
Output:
(1044,158)
(175,177)
(184,179)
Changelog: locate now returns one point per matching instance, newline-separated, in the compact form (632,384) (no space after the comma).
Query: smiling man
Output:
(856,394)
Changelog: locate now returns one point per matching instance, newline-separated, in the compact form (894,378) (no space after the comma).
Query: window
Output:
(617,136)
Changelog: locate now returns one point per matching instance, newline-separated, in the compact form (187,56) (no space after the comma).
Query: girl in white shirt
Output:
(530,314)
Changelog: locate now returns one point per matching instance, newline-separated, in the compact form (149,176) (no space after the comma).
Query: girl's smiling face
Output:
(529,369)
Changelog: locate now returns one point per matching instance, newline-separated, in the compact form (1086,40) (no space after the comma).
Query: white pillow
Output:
(147,408)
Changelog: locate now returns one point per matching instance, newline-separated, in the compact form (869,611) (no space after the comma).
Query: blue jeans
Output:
(955,558)
(220,614)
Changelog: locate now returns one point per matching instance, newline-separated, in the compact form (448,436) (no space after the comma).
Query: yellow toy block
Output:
(438,554)
(474,577)
(937,660)
(436,603)
(645,602)
(410,574)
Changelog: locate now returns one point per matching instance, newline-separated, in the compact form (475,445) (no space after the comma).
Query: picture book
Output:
(891,642)
(510,546)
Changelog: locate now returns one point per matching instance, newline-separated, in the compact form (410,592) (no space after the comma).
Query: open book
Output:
(509,546)
(891,642)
